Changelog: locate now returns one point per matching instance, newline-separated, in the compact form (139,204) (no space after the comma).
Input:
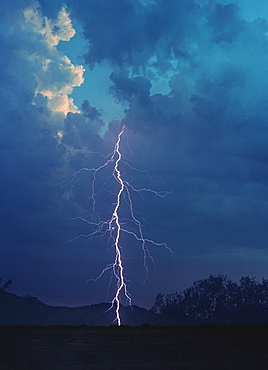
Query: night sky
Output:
(189,80)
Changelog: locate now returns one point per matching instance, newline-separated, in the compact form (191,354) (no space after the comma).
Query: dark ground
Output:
(81,347)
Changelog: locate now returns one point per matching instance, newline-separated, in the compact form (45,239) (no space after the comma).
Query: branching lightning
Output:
(115,226)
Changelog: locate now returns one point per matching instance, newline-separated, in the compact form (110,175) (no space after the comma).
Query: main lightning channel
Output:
(118,263)
(113,227)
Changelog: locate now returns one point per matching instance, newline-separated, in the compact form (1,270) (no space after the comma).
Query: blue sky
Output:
(95,87)
(188,79)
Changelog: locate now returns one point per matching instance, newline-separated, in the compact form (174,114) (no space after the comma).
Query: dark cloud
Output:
(130,33)
(82,130)
(129,89)
(225,22)
(210,132)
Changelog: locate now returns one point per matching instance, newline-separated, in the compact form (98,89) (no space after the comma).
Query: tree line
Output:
(216,296)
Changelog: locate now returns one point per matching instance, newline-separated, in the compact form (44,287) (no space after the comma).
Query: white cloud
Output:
(61,29)
(55,74)
(53,30)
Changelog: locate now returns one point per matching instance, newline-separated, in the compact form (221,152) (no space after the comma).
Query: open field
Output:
(200,347)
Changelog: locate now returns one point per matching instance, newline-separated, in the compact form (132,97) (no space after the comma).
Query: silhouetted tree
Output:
(6,284)
(253,296)
(215,296)
(158,304)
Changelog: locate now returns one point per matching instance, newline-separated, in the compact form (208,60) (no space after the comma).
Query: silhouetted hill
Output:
(16,310)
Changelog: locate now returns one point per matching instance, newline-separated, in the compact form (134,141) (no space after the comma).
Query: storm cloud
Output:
(191,79)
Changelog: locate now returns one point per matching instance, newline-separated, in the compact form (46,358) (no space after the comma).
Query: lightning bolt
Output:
(118,262)
(113,227)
